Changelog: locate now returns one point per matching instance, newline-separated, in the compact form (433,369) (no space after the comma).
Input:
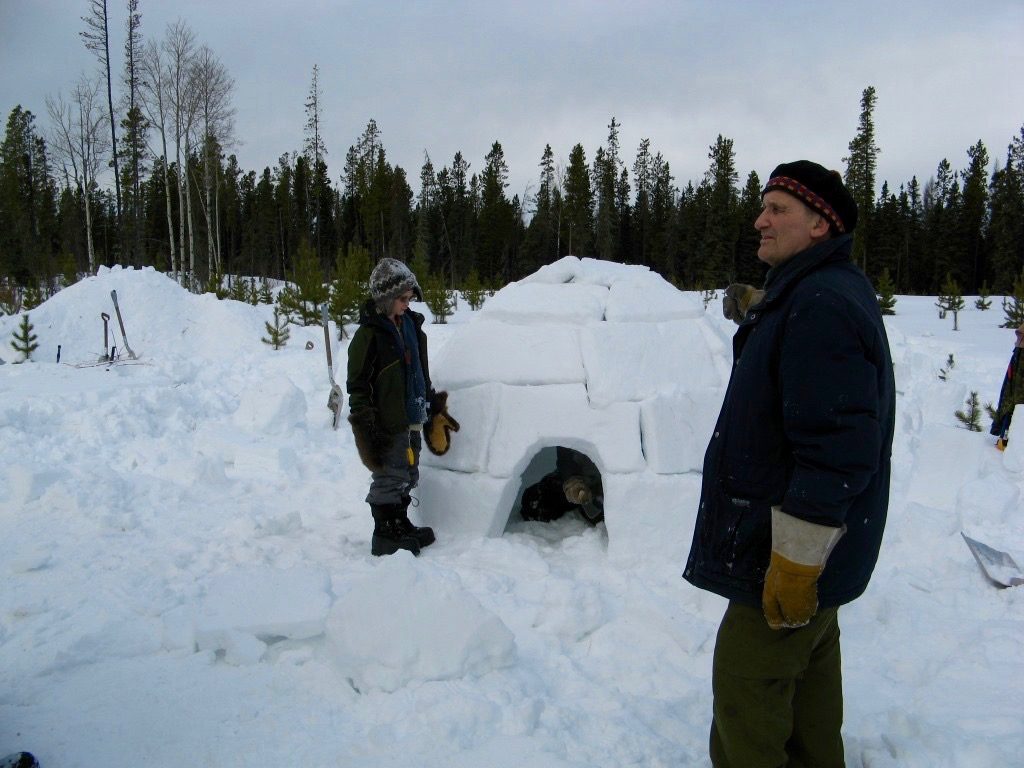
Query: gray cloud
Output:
(783,80)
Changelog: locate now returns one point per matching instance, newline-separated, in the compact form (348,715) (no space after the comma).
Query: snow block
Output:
(650,516)
(476,411)
(410,622)
(531,418)
(634,361)
(526,303)
(1013,456)
(274,406)
(262,602)
(676,428)
(947,456)
(515,354)
(651,300)
(470,504)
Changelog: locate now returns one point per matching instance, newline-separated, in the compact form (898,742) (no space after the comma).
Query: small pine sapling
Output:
(473,290)
(266,296)
(707,296)
(950,365)
(438,298)
(951,300)
(1014,308)
(24,340)
(278,332)
(886,293)
(33,298)
(983,301)
(239,290)
(971,417)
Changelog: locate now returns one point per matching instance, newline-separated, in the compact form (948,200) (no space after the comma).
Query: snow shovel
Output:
(336,398)
(106,338)
(1000,568)
(120,322)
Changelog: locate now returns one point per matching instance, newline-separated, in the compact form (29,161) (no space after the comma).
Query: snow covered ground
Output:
(186,578)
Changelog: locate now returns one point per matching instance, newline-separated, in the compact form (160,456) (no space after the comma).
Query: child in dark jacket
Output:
(393,405)
(1011,393)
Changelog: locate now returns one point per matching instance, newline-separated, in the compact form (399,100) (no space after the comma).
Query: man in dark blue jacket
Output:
(796,479)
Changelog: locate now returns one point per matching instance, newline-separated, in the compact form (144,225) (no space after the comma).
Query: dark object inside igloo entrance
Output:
(560,481)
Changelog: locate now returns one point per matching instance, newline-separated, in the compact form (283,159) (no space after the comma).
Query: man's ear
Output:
(820,227)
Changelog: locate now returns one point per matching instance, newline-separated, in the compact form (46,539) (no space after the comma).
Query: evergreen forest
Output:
(133,166)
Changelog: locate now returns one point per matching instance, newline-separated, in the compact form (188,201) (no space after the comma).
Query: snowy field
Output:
(186,577)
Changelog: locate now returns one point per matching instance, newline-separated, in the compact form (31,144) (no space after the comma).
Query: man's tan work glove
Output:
(738,298)
(576,490)
(799,552)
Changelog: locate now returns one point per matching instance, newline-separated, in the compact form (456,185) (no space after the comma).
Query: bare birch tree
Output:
(156,103)
(179,50)
(79,139)
(215,122)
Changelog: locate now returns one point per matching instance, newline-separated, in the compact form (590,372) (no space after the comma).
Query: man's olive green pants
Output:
(778,693)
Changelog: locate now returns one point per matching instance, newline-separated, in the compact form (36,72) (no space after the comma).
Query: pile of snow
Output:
(186,566)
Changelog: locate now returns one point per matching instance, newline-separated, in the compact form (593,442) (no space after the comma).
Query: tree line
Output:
(148,180)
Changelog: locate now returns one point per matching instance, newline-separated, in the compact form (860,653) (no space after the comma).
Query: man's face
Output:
(787,227)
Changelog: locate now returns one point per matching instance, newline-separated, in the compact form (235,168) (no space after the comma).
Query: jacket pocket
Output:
(739,540)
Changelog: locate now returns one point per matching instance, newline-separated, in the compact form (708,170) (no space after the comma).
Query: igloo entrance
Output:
(558,482)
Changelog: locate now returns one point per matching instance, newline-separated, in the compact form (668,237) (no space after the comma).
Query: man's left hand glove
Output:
(799,552)
(440,425)
(738,298)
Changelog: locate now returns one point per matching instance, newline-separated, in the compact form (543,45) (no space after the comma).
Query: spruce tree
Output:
(278,333)
(24,340)
(886,293)
(860,175)
(578,222)
(721,233)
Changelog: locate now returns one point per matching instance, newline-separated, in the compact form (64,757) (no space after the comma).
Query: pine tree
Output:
(971,417)
(948,368)
(24,340)
(950,300)
(239,290)
(578,221)
(438,298)
(721,233)
(886,293)
(983,301)
(473,291)
(265,294)
(278,333)
(860,175)
(350,286)
(973,213)
(32,297)
(1013,310)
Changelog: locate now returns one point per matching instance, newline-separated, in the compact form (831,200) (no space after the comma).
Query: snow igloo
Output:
(607,359)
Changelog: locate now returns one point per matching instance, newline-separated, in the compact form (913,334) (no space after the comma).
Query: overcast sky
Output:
(782,78)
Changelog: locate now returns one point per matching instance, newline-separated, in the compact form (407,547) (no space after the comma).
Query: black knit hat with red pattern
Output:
(820,189)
